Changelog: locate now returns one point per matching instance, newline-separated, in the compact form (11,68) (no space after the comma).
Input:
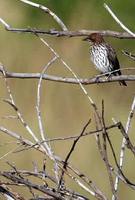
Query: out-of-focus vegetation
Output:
(64,107)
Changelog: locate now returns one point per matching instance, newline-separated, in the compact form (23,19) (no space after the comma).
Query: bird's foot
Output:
(108,77)
(97,78)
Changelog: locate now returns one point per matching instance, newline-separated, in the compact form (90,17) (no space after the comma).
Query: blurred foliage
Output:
(64,108)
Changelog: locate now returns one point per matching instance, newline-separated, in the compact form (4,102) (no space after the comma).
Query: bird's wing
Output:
(113,58)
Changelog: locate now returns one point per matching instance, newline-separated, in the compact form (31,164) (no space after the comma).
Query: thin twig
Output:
(28,184)
(118,21)
(76,136)
(39,98)
(11,102)
(10,152)
(47,145)
(130,55)
(21,139)
(97,192)
(70,152)
(47,10)
(106,160)
(121,159)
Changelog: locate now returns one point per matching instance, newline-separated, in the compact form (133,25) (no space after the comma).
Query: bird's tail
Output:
(122,82)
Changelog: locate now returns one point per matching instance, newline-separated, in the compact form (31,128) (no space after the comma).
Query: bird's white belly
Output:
(100,59)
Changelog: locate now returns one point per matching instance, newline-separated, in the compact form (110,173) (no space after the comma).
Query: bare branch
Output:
(47,145)
(70,152)
(77,33)
(47,10)
(130,55)
(8,193)
(27,183)
(105,154)
(118,21)
(87,81)
(121,159)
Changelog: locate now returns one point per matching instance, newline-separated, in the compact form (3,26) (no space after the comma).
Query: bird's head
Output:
(94,38)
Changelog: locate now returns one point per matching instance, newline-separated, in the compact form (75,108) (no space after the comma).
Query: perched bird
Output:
(103,55)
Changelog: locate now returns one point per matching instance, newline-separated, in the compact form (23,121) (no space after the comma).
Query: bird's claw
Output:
(97,78)
(108,77)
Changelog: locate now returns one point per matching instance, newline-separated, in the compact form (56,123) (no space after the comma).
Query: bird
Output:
(104,56)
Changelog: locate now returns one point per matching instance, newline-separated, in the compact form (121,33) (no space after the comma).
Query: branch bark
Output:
(85,81)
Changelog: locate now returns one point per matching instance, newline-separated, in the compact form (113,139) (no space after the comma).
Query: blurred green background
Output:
(65,109)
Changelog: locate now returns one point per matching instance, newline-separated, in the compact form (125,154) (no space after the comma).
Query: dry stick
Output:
(131,147)
(47,145)
(47,10)
(128,142)
(130,55)
(120,173)
(73,73)
(97,193)
(97,137)
(68,68)
(94,107)
(27,183)
(106,160)
(76,77)
(10,152)
(76,136)
(8,193)
(20,117)
(133,105)
(118,21)
(12,103)
(91,101)
(70,152)
(87,81)
(21,139)
(78,33)
(16,173)
(39,174)
(68,193)
(26,142)
(85,134)
(121,159)
(19,173)
(98,122)
(39,100)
